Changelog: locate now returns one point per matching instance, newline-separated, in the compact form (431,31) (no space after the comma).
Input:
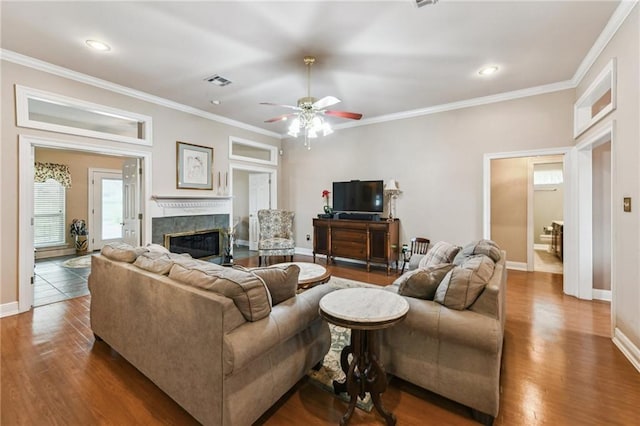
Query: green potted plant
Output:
(78,230)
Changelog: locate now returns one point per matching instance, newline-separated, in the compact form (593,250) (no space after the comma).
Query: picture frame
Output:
(193,166)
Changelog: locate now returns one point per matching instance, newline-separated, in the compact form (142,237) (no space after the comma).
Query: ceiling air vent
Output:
(421,3)
(218,81)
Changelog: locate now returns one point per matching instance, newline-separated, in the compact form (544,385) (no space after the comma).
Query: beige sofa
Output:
(454,353)
(198,346)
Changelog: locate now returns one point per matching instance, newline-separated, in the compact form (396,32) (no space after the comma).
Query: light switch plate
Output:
(626,204)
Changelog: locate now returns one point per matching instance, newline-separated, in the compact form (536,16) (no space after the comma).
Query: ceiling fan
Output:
(308,117)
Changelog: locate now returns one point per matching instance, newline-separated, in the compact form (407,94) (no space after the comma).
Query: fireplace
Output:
(199,244)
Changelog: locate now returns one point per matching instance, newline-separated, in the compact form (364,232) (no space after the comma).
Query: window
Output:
(547,177)
(49,219)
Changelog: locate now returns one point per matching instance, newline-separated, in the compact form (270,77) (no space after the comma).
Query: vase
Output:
(81,244)
(328,209)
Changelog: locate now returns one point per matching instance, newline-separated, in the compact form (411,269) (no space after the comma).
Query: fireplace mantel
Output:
(177,205)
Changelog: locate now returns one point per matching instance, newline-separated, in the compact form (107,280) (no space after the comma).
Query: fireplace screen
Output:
(199,244)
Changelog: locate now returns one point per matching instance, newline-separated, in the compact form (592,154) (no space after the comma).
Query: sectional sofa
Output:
(451,340)
(217,340)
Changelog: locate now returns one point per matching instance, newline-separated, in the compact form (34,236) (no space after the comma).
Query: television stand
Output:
(370,241)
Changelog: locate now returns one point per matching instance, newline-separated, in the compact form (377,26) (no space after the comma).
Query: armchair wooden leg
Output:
(259,260)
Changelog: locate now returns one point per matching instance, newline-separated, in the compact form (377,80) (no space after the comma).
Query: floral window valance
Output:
(58,172)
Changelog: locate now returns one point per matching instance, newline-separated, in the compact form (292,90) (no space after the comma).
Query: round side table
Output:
(365,311)
(311,274)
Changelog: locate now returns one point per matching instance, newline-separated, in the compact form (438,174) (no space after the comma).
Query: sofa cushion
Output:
(248,291)
(441,252)
(282,282)
(422,283)
(122,252)
(158,248)
(154,261)
(486,247)
(157,261)
(463,284)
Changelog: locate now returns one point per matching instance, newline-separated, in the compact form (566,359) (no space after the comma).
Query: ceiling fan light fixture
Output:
(326,129)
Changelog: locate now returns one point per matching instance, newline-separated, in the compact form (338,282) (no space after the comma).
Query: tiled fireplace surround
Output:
(184,214)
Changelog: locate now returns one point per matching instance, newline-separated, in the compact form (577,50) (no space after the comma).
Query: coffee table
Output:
(365,311)
(311,274)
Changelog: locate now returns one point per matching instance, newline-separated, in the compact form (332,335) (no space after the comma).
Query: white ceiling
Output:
(379,57)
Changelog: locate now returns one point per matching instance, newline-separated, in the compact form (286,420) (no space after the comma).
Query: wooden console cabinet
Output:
(365,240)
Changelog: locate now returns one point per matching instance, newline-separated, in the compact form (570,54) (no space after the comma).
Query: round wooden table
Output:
(365,311)
(311,274)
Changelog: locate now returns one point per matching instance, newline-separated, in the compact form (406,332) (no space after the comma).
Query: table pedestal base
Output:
(364,374)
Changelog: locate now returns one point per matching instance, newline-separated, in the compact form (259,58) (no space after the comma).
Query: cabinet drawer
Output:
(349,235)
(349,249)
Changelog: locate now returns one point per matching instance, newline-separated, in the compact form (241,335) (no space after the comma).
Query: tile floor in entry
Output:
(54,282)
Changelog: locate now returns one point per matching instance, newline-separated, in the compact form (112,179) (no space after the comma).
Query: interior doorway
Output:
(546,214)
(253,188)
(27,154)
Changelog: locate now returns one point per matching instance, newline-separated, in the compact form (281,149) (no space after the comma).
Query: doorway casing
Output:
(27,145)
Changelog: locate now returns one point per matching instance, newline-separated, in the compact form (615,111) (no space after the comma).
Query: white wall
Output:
(169,126)
(437,160)
(625,47)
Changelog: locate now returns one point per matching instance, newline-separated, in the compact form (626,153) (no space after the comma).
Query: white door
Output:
(259,198)
(106,207)
(131,216)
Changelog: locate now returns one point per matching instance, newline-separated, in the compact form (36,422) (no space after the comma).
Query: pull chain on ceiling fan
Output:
(309,119)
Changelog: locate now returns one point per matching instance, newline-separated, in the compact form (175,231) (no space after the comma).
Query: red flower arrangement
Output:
(325,195)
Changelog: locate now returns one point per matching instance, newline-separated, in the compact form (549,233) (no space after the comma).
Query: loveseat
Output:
(224,343)
(452,345)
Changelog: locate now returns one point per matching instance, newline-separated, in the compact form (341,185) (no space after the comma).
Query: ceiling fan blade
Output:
(344,114)
(280,105)
(280,118)
(325,102)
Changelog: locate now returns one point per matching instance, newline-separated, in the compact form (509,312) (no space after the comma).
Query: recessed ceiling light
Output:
(98,45)
(488,70)
(215,102)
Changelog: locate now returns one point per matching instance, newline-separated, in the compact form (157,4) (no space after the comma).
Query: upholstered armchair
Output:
(276,234)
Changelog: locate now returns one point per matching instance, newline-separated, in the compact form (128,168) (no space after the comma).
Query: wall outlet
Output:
(308,237)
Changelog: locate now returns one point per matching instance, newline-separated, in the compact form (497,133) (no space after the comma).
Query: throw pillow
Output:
(422,283)
(486,247)
(282,282)
(248,292)
(463,284)
(441,252)
(122,252)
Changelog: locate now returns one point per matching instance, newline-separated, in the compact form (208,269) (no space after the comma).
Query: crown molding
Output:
(617,18)
(17,58)
(484,100)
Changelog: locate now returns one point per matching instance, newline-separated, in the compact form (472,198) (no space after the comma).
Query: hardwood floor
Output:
(559,368)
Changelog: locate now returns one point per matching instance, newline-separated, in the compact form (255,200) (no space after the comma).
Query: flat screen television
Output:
(358,196)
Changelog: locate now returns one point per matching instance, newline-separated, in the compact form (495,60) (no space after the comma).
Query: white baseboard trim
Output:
(7,309)
(628,349)
(517,266)
(541,246)
(45,254)
(598,294)
(307,252)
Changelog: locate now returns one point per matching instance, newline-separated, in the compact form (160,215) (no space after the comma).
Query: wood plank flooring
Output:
(559,368)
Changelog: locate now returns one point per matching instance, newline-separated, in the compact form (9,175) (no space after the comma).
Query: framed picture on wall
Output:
(193,164)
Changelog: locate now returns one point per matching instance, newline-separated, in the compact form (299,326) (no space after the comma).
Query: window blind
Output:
(49,214)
